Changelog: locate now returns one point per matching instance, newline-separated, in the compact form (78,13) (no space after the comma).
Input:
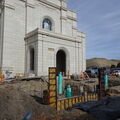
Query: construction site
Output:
(43,72)
(52,97)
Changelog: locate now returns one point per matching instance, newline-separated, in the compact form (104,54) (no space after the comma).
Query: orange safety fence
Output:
(87,75)
(1,78)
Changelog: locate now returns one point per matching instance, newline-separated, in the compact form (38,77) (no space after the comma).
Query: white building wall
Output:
(1,34)
(84,53)
(37,11)
(49,58)
(40,54)
(64,23)
(14,32)
(53,14)
(48,47)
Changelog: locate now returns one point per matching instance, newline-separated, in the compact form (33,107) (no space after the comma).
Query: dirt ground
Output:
(15,103)
(32,87)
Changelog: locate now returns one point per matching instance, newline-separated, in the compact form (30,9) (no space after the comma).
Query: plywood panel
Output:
(62,105)
(52,94)
(52,82)
(70,102)
(52,99)
(58,106)
(53,105)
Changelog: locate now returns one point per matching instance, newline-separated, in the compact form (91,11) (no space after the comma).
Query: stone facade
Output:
(23,31)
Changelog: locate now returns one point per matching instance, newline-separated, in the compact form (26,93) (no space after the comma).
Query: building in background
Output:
(37,34)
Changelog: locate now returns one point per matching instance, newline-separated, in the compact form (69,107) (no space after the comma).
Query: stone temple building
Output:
(37,34)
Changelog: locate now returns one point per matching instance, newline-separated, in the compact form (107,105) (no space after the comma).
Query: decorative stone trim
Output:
(51,34)
(72,18)
(64,18)
(74,28)
(71,10)
(52,5)
(9,6)
(28,4)
(49,3)
(63,8)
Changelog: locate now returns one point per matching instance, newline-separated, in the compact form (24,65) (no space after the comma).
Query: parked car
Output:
(116,73)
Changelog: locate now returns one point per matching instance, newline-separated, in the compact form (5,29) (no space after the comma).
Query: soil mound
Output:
(15,104)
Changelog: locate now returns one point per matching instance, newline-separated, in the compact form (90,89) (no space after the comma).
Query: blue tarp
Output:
(105,109)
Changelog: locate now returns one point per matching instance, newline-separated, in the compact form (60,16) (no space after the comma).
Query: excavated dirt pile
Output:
(15,104)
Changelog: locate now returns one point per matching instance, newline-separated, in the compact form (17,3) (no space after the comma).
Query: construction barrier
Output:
(52,88)
(1,78)
(64,103)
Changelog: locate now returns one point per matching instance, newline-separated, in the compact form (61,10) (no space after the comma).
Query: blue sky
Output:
(100,20)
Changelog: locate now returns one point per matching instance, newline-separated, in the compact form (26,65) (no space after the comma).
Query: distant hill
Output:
(101,62)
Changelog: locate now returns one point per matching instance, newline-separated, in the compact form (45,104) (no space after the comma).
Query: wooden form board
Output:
(64,103)
(68,102)
(52,87)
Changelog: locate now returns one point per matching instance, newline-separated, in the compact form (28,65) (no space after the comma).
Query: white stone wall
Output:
(48,46)
(1,34)
(36,15)
(72,64)
(84,52)
(20,19)
(38,10)
(14,32)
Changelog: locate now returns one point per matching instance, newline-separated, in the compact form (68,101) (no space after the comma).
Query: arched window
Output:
(32,54)
(47,24)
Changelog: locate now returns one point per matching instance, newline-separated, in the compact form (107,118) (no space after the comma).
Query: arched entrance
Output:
(61,62)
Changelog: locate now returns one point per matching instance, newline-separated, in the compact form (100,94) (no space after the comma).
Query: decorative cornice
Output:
(49,3)
(63,8)
(51,34)
(9,6)
(28,4)
(64,18)
(71,10)
(53,5)
(13,7)
(72,18)
(81,34)
(31,5)
(22,0)
(74,28)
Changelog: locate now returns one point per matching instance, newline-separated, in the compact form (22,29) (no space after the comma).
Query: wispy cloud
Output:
(101,21)
(111,14)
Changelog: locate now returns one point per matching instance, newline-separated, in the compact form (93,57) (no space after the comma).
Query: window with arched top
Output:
(47,24)
(32,62)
